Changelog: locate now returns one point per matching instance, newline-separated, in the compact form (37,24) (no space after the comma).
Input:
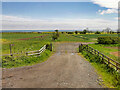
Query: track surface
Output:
(62,70)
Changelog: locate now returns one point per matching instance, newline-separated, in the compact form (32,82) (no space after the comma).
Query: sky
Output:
(95,15)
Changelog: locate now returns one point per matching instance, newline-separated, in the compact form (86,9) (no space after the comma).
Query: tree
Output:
(54,37)
(84,31)
(57,33)
(111,32)
(97,32)
(107,30)
(76,32)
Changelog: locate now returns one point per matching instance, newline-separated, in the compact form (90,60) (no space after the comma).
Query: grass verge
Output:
(10,62)
(110,77)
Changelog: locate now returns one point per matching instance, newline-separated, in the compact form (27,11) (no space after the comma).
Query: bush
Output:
(76,32)
(108,40)
(54,37)
(84,31)
(49,47)
(97,32)
(70,32)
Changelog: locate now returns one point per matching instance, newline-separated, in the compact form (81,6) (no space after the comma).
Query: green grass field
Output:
(27,42)
(24,42)
(82,37)
(107,50)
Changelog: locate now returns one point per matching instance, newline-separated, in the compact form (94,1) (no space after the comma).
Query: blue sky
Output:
(57,15)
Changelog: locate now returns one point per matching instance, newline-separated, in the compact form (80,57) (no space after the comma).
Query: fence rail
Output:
(37,52)
(104,58)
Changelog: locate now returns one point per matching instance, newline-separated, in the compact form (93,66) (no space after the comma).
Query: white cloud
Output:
(18,23)
(111,4)
(108,11)
(107,3)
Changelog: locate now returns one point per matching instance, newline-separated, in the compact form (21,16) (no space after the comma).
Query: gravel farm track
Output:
(64,69)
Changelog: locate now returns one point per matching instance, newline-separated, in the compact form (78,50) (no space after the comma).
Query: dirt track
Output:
(61,70)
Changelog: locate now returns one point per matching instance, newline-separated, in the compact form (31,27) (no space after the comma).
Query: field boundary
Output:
(112,63)
(37,52)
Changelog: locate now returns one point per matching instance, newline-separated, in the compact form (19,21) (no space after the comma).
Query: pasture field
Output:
(107,50)
(24,42)
(82,37)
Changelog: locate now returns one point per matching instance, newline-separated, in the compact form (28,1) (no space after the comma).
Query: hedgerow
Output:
(108,40)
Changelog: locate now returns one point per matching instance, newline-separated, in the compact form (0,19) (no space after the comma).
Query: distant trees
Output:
(97,32)
(70,32)
(76,32)
(112,32)
(108,30)
(84,31)
(55,35)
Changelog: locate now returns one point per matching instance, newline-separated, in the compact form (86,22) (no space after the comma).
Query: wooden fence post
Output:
(80,48)
(11,50)
(87,47)
(50,46)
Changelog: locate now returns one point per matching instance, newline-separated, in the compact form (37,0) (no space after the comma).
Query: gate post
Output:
(80,48)
(50,46)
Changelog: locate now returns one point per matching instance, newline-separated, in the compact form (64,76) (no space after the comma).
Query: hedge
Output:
(70,32)
(108,40)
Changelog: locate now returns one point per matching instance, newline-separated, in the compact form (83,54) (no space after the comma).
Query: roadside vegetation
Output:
(10,61)
(110,77)
(105,45)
